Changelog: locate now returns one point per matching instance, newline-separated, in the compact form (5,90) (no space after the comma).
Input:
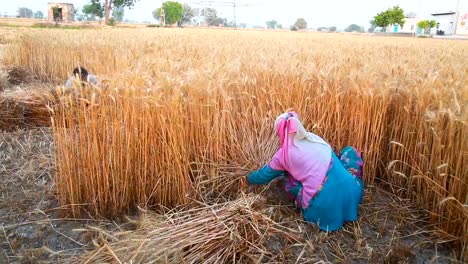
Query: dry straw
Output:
(231,232)
(26,108)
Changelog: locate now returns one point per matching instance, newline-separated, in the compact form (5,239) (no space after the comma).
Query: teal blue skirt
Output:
(338,200)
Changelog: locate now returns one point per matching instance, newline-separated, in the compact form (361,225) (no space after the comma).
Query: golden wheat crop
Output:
(188,113)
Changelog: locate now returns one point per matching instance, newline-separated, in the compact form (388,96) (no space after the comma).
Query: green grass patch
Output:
(11,25)
(57,26)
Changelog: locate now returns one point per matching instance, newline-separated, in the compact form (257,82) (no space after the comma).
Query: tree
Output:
(188,14)
(380,20)
(109,5)
(243,25)
(372,27)
(427,25)
(157,14)
(228,24)
(271,24)
(322,29)
(25,12)
(300,23)
(423,25)
(38,14)
(397,16)
(332,29)
(354,28)
(392,16)
(172,12)
(118,14)
(279,26)
(77,15)
(92,10)
(211,16)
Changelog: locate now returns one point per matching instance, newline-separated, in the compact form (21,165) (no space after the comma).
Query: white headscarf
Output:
(301,133)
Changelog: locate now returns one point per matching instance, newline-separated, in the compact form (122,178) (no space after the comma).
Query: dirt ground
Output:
(33,228)
(30,219)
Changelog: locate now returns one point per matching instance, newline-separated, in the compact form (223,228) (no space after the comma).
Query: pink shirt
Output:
(308,163)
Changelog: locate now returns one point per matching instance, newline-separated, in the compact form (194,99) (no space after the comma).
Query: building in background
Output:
(445,22)
(60,12)
(410,26)
(451,24)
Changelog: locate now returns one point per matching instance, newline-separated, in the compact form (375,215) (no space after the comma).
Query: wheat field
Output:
(186,113)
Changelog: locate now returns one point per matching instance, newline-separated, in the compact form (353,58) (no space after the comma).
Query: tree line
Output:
(24,12)
(175,13)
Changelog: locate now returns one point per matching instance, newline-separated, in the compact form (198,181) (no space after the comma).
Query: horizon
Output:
(257,12)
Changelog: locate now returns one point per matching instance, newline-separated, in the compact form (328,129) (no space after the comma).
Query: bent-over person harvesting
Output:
(81,74)
(327,188)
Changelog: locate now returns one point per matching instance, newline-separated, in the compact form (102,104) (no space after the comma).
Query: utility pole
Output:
(223,3)
(162,16)
(234,5)
(457,15)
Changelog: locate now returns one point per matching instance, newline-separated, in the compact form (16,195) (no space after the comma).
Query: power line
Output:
(232,4)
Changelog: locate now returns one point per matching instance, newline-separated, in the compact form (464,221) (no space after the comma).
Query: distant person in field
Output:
(82,75)
(327,188)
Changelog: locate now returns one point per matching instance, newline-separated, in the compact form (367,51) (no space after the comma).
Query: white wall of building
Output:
(410,25)
(446,23)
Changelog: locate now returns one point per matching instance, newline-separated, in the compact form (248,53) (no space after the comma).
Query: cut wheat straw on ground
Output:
(223,233)
(26,108)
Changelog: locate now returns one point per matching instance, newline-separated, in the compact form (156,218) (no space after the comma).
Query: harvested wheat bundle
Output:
(11,114)
(26,108)
(221,182)
(223,233)
(37,107)
(19,75)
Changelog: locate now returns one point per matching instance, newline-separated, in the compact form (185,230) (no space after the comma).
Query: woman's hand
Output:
(244,182)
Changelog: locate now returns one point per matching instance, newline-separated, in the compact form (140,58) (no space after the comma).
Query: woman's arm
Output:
(264,175)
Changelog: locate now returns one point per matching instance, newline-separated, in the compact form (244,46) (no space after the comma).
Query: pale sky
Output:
(317,13)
